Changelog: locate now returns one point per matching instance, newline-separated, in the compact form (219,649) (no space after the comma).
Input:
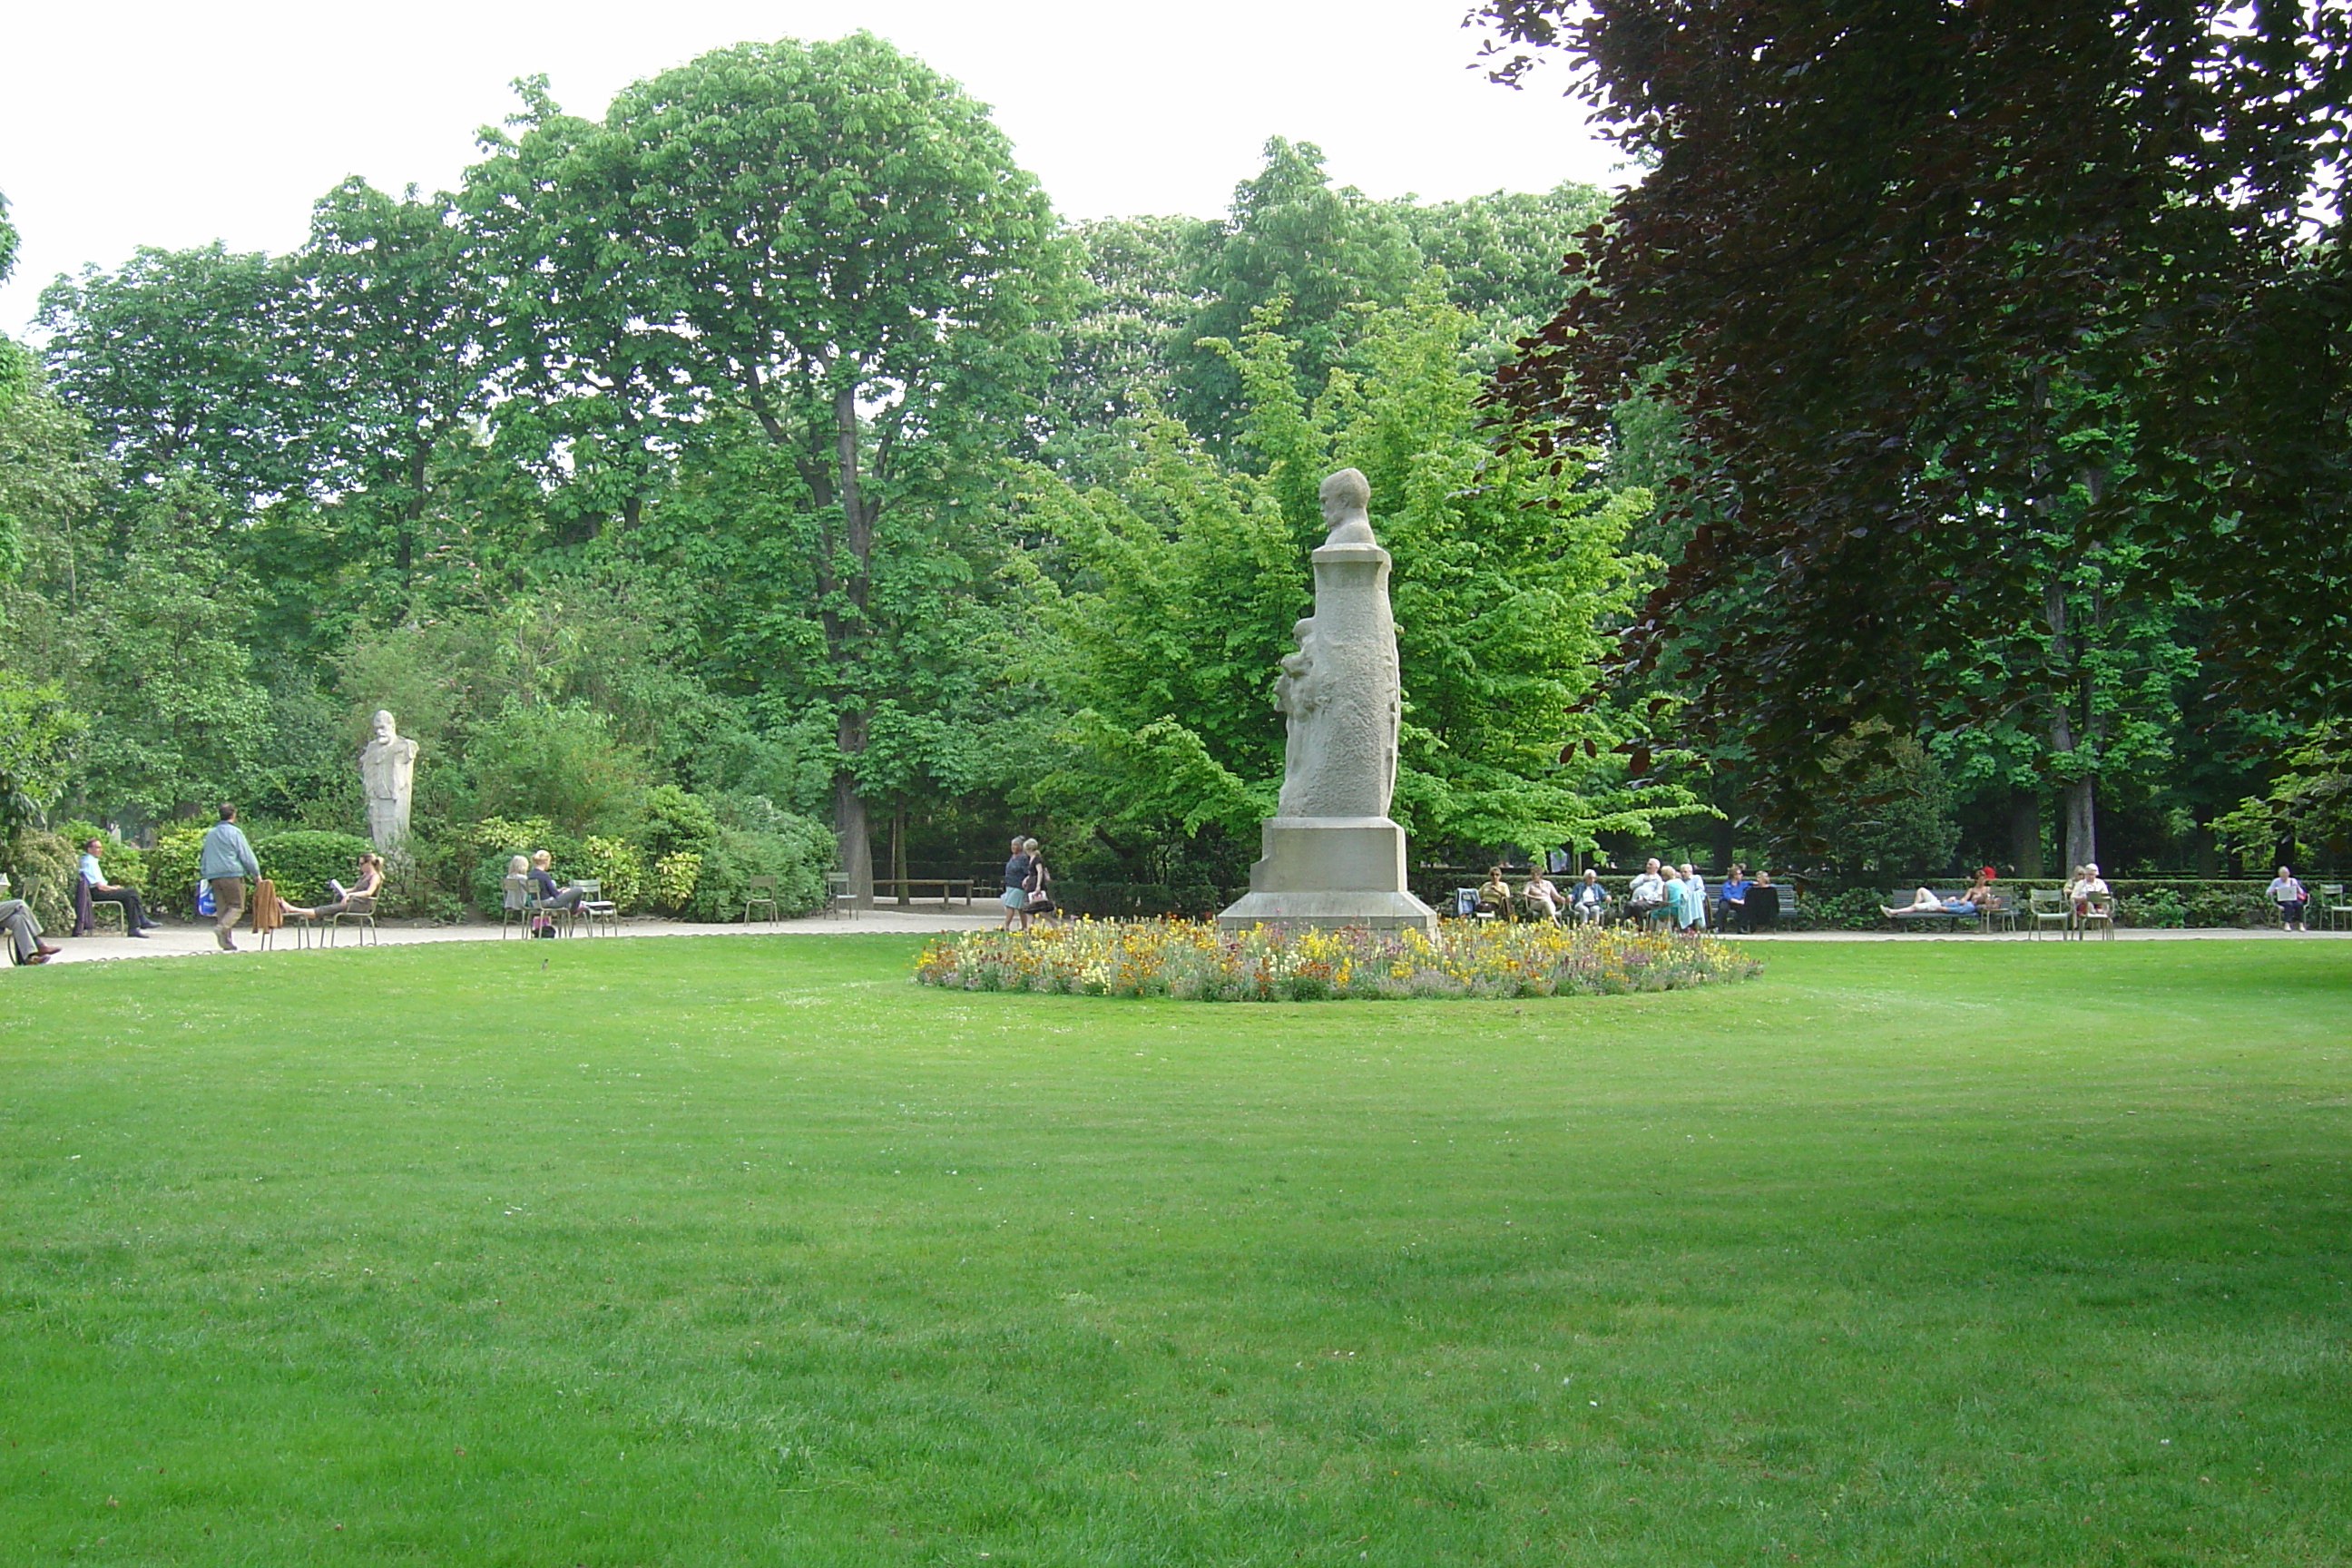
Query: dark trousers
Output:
(134,915)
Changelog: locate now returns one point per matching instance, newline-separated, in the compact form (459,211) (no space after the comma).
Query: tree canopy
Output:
(1942,289)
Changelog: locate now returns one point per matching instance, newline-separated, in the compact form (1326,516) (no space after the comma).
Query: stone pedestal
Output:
(1332,855)
(1330,871)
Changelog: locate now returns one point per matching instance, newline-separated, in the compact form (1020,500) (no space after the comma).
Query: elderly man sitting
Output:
(24,929)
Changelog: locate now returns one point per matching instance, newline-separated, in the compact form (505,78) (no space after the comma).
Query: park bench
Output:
(2001,913)
(1906,917)
(904,888)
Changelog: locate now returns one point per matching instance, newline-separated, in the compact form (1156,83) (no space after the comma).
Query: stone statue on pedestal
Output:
(388,772)
(1332,857)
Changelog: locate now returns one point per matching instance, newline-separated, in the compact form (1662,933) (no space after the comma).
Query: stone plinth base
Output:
(1330,871)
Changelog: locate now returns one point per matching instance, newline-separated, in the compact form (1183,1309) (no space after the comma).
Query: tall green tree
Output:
(1131,300)
(1291,235)
(178,360)
(833,246)
(8,240)
(587,385)
(1182,587)
(389,316)
(1894,260)
(1502,254)
(165,669)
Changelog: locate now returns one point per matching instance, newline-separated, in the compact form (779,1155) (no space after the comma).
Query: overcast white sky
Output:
(141,123)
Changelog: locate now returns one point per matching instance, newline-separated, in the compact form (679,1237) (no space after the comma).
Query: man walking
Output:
(225,860)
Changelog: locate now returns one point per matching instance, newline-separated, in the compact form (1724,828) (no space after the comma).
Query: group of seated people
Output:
(1674,897)
(538,873)
(95,889)
(2086,892)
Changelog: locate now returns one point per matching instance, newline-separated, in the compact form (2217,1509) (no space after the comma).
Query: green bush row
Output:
(686,863)
(299,861)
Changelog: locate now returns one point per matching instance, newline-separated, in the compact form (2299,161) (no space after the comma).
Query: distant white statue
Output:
(388,772)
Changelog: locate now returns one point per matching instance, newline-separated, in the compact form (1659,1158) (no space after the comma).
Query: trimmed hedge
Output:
(1824,904)
(301,860)
(172,871)
(1130,900)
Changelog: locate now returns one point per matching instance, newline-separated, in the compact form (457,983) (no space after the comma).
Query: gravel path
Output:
(184,940)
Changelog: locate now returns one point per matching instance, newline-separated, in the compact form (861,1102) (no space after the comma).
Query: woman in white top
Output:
(2087,887)
(1539,893)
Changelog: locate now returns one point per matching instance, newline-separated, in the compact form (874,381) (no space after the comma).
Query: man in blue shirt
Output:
(101,891)
(225,860)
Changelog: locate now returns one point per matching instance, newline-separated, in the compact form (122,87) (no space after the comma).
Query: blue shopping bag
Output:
(205,905)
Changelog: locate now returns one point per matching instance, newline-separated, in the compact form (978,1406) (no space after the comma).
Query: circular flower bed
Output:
(1199,963)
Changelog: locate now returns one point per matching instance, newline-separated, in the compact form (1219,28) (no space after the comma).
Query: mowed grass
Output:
(748,1250)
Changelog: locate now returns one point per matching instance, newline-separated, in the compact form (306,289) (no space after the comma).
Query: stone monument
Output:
(1331,856)
(387,772)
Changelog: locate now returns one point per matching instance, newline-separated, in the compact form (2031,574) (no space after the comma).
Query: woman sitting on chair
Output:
(1541,896)
(369,871)
(1495,894)
(1975,902)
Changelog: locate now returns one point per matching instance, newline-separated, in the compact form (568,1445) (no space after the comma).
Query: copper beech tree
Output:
(1955,300)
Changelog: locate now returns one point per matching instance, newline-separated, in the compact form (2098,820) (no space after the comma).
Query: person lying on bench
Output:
(1976,901)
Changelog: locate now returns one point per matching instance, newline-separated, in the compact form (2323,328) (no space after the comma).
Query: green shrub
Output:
(676,823)
(41,866)
(2162,909)
(1855,909)
(172,871)
(615,865)
(495,841)
(671,888)
(796,851)
(301,861)
(560,763)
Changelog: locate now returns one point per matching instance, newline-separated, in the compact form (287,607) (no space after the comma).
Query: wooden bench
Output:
(1718,918)
(2002,908)
(905,888)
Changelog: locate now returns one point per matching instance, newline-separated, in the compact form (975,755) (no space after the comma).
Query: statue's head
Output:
(383,731)
(1347,508)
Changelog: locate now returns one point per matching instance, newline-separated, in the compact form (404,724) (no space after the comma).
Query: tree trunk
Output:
(849,818)
(856,847)
(2082,825)
(2025,832)
(898,850)
(849,823)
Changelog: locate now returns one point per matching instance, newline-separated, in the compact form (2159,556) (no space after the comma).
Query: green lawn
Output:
(748,1250)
